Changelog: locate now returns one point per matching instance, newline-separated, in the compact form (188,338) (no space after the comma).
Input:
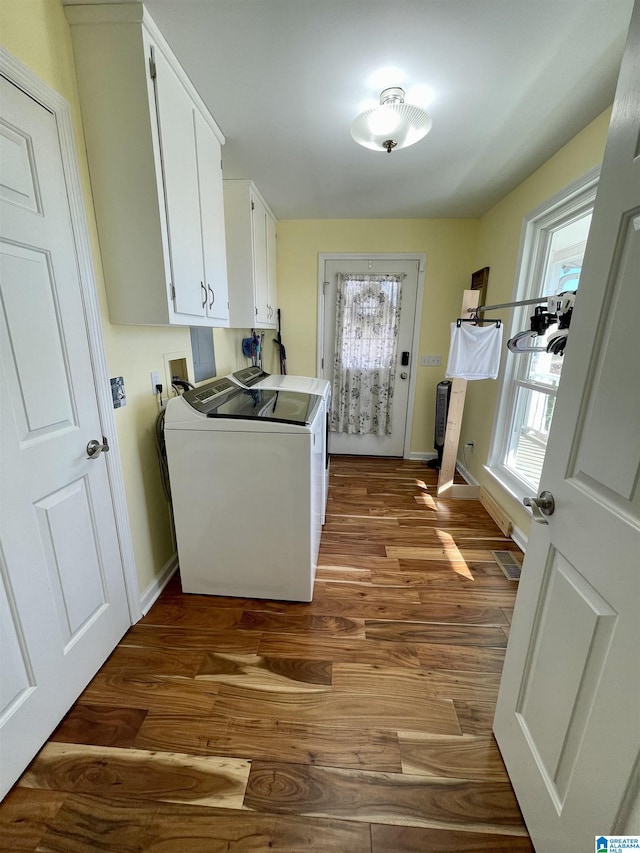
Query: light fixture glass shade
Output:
(391,125)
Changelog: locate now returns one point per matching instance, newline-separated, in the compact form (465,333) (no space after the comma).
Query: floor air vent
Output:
(508,563)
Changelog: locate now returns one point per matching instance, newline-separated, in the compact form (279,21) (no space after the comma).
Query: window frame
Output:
(537,230)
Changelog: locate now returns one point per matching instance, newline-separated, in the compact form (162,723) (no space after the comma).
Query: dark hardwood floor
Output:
(358,723)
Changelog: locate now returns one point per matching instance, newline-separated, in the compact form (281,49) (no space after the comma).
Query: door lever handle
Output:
(541,507)
(94,448)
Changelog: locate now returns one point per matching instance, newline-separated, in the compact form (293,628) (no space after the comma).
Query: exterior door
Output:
(374,445)
(568,713)
(63,604)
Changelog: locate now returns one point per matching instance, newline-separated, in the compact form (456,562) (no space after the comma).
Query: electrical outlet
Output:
(430,360)
(470,445)
(155,380)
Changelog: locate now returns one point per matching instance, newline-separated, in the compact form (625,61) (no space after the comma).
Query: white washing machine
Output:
(255,377)
(246,471)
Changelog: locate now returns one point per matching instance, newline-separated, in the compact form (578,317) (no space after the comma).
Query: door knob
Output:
(94,448)
(403,375)
(541,506)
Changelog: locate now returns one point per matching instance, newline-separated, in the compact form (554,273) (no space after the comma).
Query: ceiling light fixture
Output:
(393,124)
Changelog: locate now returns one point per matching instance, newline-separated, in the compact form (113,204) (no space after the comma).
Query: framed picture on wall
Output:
(479,281)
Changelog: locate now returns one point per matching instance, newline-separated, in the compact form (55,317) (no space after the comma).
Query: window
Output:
(552,251)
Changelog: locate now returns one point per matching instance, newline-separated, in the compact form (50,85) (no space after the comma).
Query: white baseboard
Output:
(417,456)
(151,593)
(468,476)
(519,538)
(517,535)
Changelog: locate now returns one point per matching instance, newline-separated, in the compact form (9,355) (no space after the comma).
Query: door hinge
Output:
(253,205)
(325,284)
(152,65)
(172,290)
(322,363)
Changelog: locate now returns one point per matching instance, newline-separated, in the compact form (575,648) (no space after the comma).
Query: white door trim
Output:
(25,79)
(421,258)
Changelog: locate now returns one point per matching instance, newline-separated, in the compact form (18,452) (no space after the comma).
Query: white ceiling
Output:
(512,81)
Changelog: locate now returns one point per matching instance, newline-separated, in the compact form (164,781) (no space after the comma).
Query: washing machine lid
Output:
(249,376)
(204,395)
(261,404)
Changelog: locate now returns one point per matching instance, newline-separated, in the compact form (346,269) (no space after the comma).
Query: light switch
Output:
(430,360)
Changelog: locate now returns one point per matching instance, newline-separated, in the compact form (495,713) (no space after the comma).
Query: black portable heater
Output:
(443,393)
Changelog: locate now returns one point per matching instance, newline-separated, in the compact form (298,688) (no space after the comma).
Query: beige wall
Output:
(36,33)
(498,247)
(450,247)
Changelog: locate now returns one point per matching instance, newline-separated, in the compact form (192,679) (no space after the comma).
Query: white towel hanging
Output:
(474,352)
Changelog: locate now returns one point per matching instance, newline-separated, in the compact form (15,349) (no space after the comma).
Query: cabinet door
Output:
(180,178)
(212,220)
(272,294)
(260,265)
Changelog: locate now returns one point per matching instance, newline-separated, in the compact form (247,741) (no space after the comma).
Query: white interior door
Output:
(63,604)
(374,445)
(568,713)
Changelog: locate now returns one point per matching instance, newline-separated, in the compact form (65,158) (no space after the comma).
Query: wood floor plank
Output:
(468,658)
(185,615)
(150,694)
(340,574)
(366,592)
(273,740)
(172,663)
(411,839)
(266,673)
(86,824)
(373,549)
(338,649)
(417,552)
(379,681)
(325,625)
(508,612)
(139,774)
(422,632)
(353,561)
(383,798)
(476,758)
(476,717)
(340,708)
(24,817)
(369,603)
(467,595)
(160,637)
(100,725)
(405,513)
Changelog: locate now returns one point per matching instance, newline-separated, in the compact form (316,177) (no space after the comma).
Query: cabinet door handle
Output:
(213,296)
(204,294)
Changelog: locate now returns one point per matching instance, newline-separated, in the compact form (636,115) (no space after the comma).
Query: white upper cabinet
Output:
(251,257)
(156,175)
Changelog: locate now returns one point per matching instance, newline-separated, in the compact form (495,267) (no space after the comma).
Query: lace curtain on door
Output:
(367,320)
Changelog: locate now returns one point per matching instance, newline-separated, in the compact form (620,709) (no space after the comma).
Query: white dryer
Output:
(246,471)
(255,377)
